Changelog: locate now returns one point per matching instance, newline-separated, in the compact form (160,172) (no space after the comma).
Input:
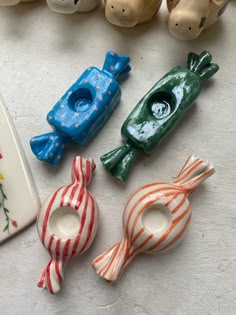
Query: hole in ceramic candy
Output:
(161,104)
(64,222)
(80,100)
(157,218)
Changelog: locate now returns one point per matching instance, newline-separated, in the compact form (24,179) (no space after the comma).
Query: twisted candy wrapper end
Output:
(52,277)
(201,65)
(120,161)
(194,172)
(117,66)
(112,263)
(49,147)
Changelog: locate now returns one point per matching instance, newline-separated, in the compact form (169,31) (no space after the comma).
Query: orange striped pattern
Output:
(173,198)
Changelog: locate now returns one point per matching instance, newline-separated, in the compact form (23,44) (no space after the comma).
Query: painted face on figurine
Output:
(72,6)
(123,12)
(128,13)
(188,18)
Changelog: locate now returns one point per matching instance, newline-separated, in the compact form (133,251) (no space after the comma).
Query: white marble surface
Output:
(41,54)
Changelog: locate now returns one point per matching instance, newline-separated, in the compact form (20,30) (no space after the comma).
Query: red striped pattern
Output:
(138,238)
(61,250)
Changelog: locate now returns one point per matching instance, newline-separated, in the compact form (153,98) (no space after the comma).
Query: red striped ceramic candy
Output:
(155,219)
(67,223)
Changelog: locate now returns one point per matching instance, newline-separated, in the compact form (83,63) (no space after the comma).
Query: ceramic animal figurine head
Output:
(128,13)
(72,6)
(12,2)
(155,219)
(188,18)
(67,223)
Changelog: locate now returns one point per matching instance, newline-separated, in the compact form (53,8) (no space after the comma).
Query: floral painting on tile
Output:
(3,197)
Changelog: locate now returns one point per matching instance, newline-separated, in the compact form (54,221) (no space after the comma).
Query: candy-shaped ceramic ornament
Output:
(155,219)
(158,112)
(128,13)
(83,109)
(12,2)
(67,223)
(19,201)
(188,18)
(72,6)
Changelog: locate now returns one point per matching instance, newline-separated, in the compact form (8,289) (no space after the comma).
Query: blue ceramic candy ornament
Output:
(83,109)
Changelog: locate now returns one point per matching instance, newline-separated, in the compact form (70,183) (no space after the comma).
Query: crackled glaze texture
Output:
(72,6)
(128,13)
(83,109)
(188,18)
(158,112)
(67,223)
(155,219)
(19,201)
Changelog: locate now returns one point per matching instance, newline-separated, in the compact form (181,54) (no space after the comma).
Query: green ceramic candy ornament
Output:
(158,112)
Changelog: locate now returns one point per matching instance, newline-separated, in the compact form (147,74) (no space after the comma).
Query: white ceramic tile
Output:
(19,201)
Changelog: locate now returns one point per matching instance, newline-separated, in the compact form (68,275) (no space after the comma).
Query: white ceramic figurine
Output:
(188,18)
(128,13)
(72,6)
(12,2)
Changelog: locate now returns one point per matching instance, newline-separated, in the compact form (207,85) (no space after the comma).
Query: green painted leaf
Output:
(6,228)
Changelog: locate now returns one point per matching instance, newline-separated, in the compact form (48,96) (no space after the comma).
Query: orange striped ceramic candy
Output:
(155,219)
(67,223)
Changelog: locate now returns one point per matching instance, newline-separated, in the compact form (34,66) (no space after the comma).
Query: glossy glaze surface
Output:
(188,18)
(158,112)
(128,13)
(67,223)
(72,6)
(83,109)
(19,201)
(155,219)
(171,283)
